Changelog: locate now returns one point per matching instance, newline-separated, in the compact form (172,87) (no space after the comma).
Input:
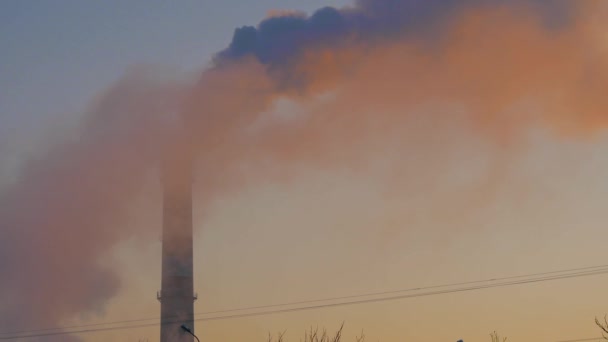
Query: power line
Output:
(594,268)
(432,293)
(548,276)
(564,276)
(580,269)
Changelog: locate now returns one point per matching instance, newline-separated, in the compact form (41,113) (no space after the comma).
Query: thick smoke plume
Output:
(70,206)
(363,73)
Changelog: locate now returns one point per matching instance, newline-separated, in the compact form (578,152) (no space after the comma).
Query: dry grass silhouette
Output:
(496,338)
(314,335)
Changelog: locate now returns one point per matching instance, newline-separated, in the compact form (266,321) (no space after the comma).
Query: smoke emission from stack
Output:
(70,206)
(380,61)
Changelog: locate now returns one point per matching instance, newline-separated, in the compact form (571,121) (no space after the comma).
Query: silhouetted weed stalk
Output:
(496,338)
(314,335)
(603,326)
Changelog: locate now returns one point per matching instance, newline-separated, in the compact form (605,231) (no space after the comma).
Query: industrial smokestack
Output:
(177,295)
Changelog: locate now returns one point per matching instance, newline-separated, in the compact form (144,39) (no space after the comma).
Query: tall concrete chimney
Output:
(176,295)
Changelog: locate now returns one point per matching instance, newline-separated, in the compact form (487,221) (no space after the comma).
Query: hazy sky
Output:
(328,231)
(56,55)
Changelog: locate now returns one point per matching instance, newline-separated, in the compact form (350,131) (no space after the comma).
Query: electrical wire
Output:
(547,276)
(589,268)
